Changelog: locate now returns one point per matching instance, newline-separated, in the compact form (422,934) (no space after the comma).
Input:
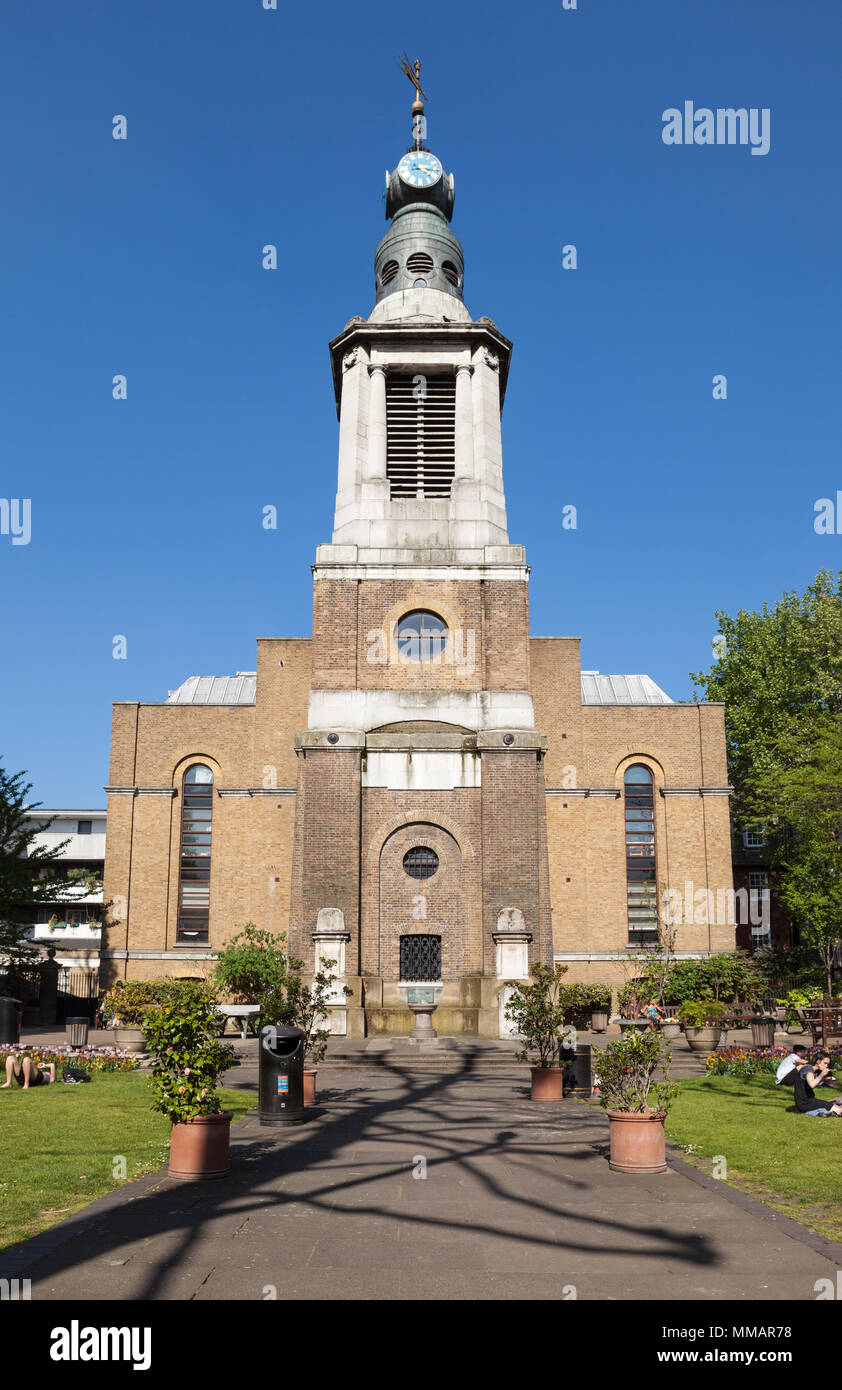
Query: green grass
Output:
(789,1161)
(58,1146)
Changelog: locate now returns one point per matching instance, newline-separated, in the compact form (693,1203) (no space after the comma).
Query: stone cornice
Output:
(397,334)
(140,791)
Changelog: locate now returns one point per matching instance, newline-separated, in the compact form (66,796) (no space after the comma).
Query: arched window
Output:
(641,882)
(194,866)
(421,636)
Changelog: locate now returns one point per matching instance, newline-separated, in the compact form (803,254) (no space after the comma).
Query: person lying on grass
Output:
(27,1073)
(808,1076)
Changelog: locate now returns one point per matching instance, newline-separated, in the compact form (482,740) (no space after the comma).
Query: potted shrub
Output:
(124,1008)
(189,1058)
(538,1015)
(305,1006)
(636,1103)
(702,1019)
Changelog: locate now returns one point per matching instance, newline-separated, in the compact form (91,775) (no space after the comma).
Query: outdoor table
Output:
(245,1013)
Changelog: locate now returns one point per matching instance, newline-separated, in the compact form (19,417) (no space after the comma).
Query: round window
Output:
(421,636)
(420,862)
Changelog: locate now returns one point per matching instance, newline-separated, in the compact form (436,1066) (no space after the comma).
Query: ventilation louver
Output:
(388,272)
(450,272)
(419,263)
(420,434)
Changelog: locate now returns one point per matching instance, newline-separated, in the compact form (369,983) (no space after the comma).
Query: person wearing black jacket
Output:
(807,1077)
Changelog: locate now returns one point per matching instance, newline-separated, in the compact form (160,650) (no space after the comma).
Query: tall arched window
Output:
(641,883)
(194,877)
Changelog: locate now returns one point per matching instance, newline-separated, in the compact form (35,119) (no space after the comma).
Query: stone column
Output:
(376,467)
(464,424)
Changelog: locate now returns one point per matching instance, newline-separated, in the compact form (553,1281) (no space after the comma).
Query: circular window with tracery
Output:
(420,861)
(421,636)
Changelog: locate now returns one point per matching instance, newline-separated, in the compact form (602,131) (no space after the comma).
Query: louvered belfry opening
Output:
(420,434)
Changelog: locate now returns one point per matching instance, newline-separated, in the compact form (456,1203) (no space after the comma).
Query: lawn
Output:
(60,1146)
(789,1161)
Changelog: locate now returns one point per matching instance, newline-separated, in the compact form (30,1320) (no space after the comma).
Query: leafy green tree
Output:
(779,673)
(251,965)
(803,806)
(305,1006)
(21,884)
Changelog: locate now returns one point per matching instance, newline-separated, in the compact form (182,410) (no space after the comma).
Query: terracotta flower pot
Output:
(309,1085)
(638,1143)
(547,1083)
(199,1147)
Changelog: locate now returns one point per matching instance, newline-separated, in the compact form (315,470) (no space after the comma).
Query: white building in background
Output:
(75,909)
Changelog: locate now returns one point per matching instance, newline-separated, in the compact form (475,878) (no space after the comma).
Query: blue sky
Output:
(248,127)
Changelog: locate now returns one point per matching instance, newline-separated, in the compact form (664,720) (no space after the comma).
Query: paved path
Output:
(518,1202)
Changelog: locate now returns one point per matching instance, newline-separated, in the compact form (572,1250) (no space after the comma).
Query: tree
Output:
(21,885)
(805,802)
(779,673)
(252,964)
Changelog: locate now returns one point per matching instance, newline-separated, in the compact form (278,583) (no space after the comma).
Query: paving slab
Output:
(517,1202)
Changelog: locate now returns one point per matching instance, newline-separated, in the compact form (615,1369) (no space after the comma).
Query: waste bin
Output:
(10,1016)
(762,1032)
(281,1075)
(576,1079)
(77,1031)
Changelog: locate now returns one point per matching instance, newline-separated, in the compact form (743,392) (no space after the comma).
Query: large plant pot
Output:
(309,1085)
(547,1083)
(599,1020)
(638,1143)
(130,1039)
(199,1148)
(704,1039)
(637,1025)
(671,1030)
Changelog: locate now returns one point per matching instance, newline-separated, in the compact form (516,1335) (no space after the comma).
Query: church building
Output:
(422,791)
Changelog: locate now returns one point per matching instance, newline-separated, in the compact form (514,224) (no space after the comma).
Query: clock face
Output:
(420,169)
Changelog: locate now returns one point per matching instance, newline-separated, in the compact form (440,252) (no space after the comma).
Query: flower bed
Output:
(750,1061)
(89,1059)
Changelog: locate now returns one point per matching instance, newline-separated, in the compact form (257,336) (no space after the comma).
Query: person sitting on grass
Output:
(27,1073)
(655,1014)
(808,1076)
(785,1075)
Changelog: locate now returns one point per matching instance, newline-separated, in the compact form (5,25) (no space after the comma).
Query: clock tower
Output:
(420,850)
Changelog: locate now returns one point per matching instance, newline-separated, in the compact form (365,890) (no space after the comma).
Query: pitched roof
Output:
(621,690)
(216,690)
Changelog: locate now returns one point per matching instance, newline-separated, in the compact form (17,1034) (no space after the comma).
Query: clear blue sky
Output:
(248,126)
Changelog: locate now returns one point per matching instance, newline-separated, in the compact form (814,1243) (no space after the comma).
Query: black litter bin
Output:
(576,1080)
(11,1011)
(281,1075)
